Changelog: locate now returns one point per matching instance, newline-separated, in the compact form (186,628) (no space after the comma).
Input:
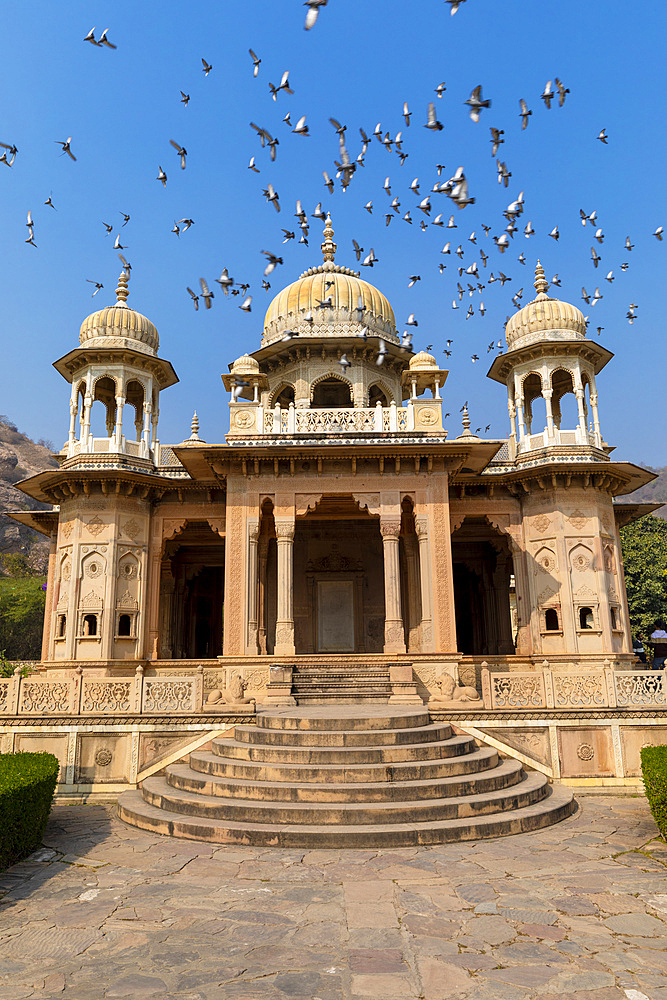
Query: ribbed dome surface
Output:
(118,322)
(347,293)
(422,361)
(245,365)
(544,315)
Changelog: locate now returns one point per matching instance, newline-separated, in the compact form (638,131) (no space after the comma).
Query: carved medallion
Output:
(585,751)
(103,757)
(541,523)
(66,529)
(426,415)
(243,418)
(95,525)
(131,528)
(93,569)
(577,519)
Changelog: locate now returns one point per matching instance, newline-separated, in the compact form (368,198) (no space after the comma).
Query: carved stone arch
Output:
(582,558)
(280,388)
(545,559)
(129,567)
(93,565)
(368,501)
(530,374)
(114,378)
(384,387)
(66,568)
(329,376)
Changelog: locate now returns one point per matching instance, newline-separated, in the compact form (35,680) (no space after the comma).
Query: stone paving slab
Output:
(106,912)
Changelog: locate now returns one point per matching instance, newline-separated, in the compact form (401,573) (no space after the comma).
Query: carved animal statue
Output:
(452,693)
(232,695)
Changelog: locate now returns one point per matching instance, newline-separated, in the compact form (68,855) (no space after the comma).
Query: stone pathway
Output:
(108,911)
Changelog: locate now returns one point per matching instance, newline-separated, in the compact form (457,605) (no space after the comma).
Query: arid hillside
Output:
(20,457)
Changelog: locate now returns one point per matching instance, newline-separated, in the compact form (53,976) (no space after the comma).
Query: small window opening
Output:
(124,625)
(551,620)
(61,627)
(614,618)
(586,618)
(90,624)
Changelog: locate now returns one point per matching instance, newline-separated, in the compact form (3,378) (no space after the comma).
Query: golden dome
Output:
(245,365)
(352,303)
(544,318)
(422,362)
(119,326)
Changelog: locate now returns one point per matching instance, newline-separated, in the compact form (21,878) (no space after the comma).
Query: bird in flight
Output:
(65,147)
(161,176)
(185,98)
(476,103)
(182,152)
(313,12)
(283,85)
(206,67)
(602,136)
(524,114)
(255,62)
(98,286)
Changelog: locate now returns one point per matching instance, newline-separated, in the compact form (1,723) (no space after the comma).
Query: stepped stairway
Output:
(334,777)
(347,684)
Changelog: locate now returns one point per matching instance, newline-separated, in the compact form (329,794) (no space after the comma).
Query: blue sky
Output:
(359,64)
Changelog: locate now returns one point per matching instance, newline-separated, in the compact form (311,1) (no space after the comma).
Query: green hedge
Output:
(27,784)
(654,771)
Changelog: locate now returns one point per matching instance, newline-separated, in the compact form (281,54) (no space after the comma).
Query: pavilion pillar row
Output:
(427,639)
(394,635)
(284,645)
(252,642)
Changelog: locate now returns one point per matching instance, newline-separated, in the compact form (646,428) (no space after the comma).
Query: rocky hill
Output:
(655,492)
(20,457)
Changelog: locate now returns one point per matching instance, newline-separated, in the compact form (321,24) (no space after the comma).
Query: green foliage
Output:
(644,546)
(27,784)
(21,617)
(654,771)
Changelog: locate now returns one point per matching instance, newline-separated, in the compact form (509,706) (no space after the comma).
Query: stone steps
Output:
(503,775)
(210,763)
(347,684)
(344,777)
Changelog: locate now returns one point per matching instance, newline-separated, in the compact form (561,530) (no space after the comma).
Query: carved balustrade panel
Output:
(640,687)
(4,693)
(580,690)
(517,690)
(402,418)
(46,697)
(176,694)
(107,696)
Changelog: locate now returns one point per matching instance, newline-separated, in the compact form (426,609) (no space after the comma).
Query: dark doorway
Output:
(192,593)
(482,574)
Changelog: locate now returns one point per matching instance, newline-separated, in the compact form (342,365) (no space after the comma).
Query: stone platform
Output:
(345,777)
(105,912)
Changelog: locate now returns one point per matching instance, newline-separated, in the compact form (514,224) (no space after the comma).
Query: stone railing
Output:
(418,414)
(562,689)
(79,695)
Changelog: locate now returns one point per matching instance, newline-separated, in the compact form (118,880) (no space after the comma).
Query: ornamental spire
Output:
(328,246)
(541,284)
(122,290)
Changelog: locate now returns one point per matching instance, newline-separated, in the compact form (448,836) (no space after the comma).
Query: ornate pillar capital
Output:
(390,529)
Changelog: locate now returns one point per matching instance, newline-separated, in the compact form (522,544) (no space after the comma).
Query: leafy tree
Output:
(22,601)
(644,544)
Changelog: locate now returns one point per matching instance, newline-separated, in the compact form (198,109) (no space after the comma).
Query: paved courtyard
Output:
(105,910)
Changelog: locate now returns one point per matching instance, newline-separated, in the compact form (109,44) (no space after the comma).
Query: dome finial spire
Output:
(328,246)
(541,283)
(122,290)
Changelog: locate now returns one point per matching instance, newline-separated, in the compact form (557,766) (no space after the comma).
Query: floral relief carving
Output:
(66,528)
(304,502)
(132,528)
(93,568)
(45,697)
(585,751)
(517,690)
(91,600)
(541,523)
(107,696)
(645,687)
(127,601)
(95,526)
(176,695)
(66,569)
(4,693)
(103,757)
(577,519)
(546,559)
(573,690)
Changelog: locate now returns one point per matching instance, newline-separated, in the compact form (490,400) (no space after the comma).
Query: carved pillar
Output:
(546,395)
(394,638)
(72,420)
(412,591)
(596,419)
(253,535)
(426,642)
(284,645)
(49,603)
(118,433)
(85,422)
(262,554)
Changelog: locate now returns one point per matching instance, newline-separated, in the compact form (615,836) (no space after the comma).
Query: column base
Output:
(394,637)
(284,644)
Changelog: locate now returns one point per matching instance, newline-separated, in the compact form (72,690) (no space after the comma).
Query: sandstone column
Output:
(253,535)
(394,636)
(284,645)
(427,644)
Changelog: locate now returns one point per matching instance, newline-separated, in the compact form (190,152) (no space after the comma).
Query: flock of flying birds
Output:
(471,280)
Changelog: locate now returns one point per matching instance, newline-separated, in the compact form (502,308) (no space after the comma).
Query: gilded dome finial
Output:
(541,284)
(328,246)
(122,290)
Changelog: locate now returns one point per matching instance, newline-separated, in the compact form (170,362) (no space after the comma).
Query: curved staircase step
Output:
(452,747)
(436,732)
(505,774)
(344,718)
(158,792)
(555,806)
(465,763)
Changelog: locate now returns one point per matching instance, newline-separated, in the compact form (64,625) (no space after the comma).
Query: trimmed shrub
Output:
(654,771)
(27,784)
